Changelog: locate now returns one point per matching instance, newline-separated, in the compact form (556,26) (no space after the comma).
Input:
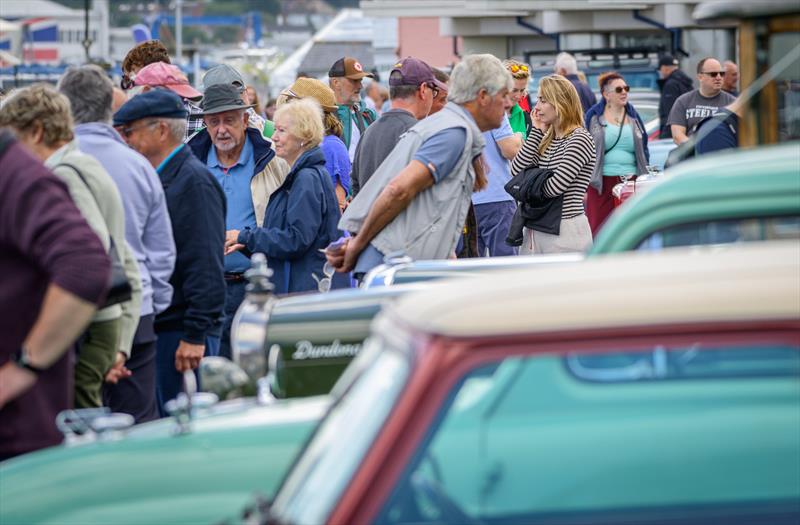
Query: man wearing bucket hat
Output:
(345,78)
(161,74)
(412,90)
(153,124)
(225,74)
(244,164)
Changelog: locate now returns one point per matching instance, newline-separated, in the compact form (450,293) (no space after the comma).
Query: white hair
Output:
(566,62)
(177,128)
(474,73)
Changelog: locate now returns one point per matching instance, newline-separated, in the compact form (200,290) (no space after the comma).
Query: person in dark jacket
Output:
(567,67)
(674,83)
(302,215)
(154,124)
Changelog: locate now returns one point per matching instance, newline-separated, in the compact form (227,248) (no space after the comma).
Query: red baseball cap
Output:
(168,76)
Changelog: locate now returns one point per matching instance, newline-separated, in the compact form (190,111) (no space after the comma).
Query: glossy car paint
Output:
(152,475)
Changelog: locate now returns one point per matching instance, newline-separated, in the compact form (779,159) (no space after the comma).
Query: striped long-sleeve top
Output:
(571,158)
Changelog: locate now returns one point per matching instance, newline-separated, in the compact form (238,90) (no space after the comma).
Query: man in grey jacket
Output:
(147,229)
(419,199)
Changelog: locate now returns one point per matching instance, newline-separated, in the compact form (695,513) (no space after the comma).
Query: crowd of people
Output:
(175,188)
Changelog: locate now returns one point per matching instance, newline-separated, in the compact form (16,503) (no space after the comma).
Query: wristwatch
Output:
(21,359)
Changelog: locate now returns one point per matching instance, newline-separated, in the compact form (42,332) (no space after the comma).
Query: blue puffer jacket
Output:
(301,219)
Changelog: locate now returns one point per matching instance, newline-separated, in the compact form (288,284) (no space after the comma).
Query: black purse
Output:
(120,289)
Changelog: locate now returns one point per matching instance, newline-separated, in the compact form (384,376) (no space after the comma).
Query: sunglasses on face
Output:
(127,82)
(620,89)
(714,74)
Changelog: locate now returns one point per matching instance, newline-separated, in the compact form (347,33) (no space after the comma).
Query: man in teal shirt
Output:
(345,76)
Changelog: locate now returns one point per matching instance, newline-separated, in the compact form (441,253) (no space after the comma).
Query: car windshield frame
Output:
(370,388)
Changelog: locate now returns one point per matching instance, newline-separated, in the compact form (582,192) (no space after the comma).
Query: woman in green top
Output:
(519,119)
(620,142)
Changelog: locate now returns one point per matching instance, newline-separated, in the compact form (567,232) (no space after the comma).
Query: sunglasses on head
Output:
(127,82)
(516,68)
(714,74)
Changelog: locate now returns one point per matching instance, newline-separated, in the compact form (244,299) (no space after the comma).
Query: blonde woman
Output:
(519,119)
(302,214)
(559,142)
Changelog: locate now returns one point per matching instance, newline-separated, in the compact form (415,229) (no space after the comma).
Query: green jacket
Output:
(346,116)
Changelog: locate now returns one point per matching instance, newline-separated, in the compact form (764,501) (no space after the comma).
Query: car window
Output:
(698,434)
(787,84)
(723,232)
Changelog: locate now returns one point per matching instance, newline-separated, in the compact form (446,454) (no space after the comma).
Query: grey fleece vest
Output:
(429,227)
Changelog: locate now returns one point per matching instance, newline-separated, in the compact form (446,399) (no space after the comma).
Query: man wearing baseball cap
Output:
(161,74)
(412,89)
(153,124)
(673,83)
(345,77)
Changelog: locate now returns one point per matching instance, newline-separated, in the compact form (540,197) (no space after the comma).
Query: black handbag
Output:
(120,289)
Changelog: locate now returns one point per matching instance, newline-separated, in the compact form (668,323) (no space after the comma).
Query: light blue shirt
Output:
(498,167)
(235,182)
(148,229)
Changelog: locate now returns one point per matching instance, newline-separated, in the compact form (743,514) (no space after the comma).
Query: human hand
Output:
(231,240)
(537,120)
(14,381)
(342,254)
(233,248)
(118,370)
(188,356)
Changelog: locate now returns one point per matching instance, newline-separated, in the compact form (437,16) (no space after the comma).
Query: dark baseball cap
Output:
(413,72)
(348,67)
(154,103)
(667,60)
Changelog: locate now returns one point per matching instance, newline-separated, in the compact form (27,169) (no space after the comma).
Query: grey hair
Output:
(566,62)
(90,93)
(177,128)
(477,72)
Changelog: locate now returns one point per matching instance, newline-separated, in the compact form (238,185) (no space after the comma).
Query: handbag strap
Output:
(618,137)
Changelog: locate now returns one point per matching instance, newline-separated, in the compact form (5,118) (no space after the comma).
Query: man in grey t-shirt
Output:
(692,107)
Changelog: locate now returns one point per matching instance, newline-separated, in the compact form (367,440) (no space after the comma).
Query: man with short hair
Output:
(244,164)
(412,89)
(567,67)
(673,83)
(731,83)
(440,100)
(147,230)
(692,107)
(418,200)
(345,78)
(190,328)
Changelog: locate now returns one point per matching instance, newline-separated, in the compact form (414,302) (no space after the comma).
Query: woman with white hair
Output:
(302,214)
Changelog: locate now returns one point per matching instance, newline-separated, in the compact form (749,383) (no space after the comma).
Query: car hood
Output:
(152,474)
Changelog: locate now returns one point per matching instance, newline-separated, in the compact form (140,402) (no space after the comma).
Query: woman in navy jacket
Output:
(302,215)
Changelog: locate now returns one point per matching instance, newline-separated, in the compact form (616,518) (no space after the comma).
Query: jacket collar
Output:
(171,168)
(262,149)
(309,159)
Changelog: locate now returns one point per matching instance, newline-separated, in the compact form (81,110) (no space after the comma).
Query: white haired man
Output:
(567,67)
(419,199)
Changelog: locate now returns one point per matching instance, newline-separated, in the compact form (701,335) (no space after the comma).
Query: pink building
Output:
(419,37)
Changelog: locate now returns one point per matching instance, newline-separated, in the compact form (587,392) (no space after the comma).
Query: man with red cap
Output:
(163,75)
(345,77)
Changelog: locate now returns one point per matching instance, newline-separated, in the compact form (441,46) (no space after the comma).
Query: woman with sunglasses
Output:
(519,119)
(302,215)
(620,142)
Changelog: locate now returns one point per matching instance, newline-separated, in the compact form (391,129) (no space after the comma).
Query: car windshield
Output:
(373,383)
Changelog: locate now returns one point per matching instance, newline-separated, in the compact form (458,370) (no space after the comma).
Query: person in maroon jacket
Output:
(55,272)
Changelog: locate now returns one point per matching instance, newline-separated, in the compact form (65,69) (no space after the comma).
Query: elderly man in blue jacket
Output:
(154,124)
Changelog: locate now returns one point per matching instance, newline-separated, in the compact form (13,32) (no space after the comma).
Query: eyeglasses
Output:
(516,68)
(434,89)
(324,284)
(620,89)
(127,81)
(127,132)
(714,74)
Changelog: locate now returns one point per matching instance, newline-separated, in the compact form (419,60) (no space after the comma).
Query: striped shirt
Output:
(571,158)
